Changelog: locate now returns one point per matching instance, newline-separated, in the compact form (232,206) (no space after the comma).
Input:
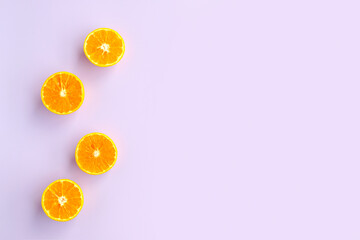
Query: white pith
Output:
(105,47)
(96,153)
(62,93)
(62,200)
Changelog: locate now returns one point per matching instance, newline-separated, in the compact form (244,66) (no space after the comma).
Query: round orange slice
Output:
(62,200)
(104,47)
(62,93)
(95,153)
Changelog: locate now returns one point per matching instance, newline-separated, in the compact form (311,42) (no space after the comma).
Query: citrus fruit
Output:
(95,153)
(104,47)
(62,200)
(62,93)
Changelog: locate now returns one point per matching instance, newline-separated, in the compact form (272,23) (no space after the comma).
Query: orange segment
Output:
(104,47)
(62,200)
(95,153)
(62,93)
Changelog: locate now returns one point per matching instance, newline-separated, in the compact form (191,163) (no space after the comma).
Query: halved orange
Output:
(104,47)
(62,200)
(95,153)
(62,93)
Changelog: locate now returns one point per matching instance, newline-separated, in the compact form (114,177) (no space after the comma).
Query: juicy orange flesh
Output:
(62,93)
(73,200)
(104,47)
(96,154)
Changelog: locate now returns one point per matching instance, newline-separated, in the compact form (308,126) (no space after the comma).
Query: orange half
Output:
(62,200)
(95,153)
(104,47)
(62,93)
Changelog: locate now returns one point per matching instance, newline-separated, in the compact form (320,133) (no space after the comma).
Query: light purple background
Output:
(234,119)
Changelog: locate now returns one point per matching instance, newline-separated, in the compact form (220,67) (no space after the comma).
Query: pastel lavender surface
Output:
(234,119)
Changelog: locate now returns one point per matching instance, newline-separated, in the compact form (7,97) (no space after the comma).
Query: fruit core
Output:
(63,93)
(62,200)
(96,153)
(105,47)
